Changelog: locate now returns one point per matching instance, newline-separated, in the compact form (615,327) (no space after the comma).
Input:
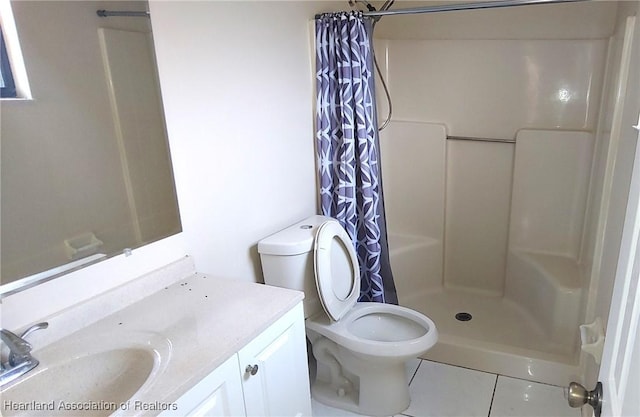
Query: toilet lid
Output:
(336,269)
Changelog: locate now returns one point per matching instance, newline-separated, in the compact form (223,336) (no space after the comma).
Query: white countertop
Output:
(194,325)
(207,320)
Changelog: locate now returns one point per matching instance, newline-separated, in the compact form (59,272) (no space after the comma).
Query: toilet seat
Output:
(336,270)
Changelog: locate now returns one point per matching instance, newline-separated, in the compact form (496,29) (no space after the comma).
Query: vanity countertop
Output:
(194,325)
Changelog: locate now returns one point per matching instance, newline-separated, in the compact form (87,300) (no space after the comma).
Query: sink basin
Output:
(94,384)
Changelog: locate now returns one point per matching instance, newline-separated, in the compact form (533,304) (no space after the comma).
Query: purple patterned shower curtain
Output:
(348,145)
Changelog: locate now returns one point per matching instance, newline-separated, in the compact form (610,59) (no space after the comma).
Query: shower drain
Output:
(463,316)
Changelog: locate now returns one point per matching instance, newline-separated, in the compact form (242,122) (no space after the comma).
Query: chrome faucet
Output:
(19,361)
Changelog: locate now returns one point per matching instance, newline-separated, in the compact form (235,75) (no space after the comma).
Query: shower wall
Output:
(550,186)
(492,88)
(414,156)
(462,189)
(478,195)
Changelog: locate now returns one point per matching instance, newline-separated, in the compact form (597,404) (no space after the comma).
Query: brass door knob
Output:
(579,396)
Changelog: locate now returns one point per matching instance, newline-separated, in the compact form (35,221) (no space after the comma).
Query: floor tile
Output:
(520,398)
(442,390)
(412,367)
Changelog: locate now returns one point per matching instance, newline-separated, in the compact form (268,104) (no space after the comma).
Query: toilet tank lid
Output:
(294,240)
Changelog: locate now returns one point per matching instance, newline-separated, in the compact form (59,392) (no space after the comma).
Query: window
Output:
(13,74)
(7,85)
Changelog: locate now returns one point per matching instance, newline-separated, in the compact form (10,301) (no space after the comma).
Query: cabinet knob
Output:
(251,369)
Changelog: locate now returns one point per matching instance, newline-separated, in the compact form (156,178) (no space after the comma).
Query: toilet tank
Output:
(287,260)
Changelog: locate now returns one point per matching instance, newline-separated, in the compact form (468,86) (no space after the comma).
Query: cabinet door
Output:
(219,394)
(275,376)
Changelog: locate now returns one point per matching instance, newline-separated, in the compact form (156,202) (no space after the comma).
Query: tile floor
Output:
(439,390)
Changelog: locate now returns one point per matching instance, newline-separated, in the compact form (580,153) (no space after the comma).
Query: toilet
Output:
(360,347)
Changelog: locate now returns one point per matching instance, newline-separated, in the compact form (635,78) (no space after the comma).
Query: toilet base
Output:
(382,391)
(361,359)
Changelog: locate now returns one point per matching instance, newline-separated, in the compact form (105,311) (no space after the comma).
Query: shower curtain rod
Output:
(460,6)
(464,6)
(108,13)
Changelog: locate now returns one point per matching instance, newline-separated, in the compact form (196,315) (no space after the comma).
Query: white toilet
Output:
(360,348)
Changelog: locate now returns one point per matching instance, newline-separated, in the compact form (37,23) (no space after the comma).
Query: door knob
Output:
(579,396)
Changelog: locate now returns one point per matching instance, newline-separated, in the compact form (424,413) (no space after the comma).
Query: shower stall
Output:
(500,166)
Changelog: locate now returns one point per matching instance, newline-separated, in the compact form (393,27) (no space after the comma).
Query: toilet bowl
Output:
(379,331)
(360,347)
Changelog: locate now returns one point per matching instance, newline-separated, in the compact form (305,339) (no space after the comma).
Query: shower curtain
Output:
(348,146)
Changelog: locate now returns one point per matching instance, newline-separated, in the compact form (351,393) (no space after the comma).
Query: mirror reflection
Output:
(85,164)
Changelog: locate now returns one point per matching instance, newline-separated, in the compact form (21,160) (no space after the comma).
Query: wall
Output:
(478,194)
(413,157)
(611,175)
(590,20)
(583,20)
(238,95)
(492,88)
(488,74)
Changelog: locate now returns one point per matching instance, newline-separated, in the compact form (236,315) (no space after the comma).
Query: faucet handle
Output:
(19,348)
(33,328)
(16,344)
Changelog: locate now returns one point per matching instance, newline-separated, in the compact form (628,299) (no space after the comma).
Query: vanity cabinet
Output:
(217,394)
(267,377)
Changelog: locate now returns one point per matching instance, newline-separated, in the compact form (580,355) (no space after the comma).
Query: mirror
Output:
(85,165)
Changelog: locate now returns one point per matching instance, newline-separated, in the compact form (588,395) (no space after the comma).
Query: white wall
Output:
(584,20)
(613,163)
(238,92)
(413,157)
(478,196)
(493,87)
(488,74)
